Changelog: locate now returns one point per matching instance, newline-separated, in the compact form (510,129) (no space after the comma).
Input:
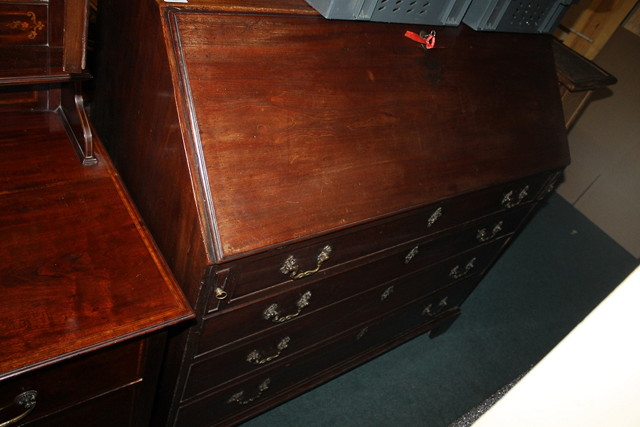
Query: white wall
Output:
(590,379)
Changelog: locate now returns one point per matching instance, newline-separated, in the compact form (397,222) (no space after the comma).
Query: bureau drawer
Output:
(68,383)
(23,24)
(241,279)
(296,305)
(345,351)
(282,342)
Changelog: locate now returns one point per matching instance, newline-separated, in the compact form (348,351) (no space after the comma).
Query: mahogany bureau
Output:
(322,190)
(85,297)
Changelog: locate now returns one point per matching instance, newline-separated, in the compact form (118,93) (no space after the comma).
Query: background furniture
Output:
(322,190)
(85,293)
(579,79)
(589,24)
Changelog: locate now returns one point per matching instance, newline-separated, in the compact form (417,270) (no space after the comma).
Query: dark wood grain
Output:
(335,118)
(88,387)
(156,175)
(75,35)
(250,131)
(24,24)
(77,269)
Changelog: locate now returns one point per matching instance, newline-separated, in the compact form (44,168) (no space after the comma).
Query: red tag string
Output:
(429,41)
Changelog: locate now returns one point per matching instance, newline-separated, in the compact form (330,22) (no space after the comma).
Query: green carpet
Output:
(556,271)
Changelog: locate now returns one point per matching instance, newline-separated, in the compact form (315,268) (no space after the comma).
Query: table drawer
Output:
(23,24)
(68,383)
(97,412)
(340,354)
(400,260)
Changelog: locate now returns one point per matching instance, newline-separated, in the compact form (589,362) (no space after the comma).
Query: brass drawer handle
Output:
(411,255)
(484,235)
(458,272)
(432,311)
(28,401)
(257,359)
(551,185)
(434,217)
(387,293)
(292,268)
(362,333)
(241,400)
(511,200)
(273,311)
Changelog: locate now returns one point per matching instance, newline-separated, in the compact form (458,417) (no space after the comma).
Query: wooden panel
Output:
(38,64)
(156,175)
(292,302)
(78,380)
(75,35)
(258,274)
(290,131)
(23,24)
(21,98)
(99,411)
(367,340)
(633,22)
(593,23)
(42,41)
(77,270)
(322,325)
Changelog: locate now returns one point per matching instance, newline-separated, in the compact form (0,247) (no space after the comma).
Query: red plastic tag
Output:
(429,41)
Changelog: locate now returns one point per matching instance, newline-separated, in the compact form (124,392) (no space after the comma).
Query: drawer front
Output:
(371,279)
(402,259)
(280,343)
(98,412)
(23,24)
(345,351)
(77,380)
(293,264)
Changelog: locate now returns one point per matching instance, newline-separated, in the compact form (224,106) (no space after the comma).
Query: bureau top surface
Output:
(77,271)
(301,125)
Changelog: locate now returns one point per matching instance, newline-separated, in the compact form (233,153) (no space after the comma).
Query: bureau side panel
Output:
(135,114)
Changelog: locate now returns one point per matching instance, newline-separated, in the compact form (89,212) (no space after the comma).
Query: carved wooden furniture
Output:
(322,190)
(85,294)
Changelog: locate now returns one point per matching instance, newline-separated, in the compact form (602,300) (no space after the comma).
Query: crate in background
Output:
(519,16)
(429,12)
